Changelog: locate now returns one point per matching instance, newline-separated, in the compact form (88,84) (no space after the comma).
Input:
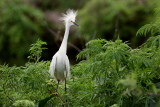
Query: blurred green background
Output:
(22,22)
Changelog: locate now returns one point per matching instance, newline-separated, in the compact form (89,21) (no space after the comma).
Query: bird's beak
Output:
(76,24)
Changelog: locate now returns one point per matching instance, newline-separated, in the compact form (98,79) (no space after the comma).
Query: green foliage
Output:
(20,23)
(152,31)
(63,4)
(36,50)
(112,74)
(23,103)
(28,82)
(25,82)
(109,18)
(60,4)
(144,30)
(153,41)
(117,74)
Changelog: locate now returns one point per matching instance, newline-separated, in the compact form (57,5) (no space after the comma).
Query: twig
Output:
(5,90)
(53,32)
(152,94)
(57,37)
(57,94)
(116,27)
(61,98)
(50,30)
(74,46)
(66,91)
(94,35)
(7,95)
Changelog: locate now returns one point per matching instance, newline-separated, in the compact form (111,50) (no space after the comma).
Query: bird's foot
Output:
(56,93)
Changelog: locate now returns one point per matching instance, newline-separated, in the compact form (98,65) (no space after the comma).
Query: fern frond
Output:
(82,54)
(93,47)
(153,41)
(144,30)
(96,42)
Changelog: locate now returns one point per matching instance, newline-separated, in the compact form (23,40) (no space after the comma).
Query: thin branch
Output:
(116,27)
(94,35)
(74,46)
(57,34)
(61,98)
(50,30)
(57,94)
(57,37)
(5,92)
(7,95)
(66,91)
(152,94)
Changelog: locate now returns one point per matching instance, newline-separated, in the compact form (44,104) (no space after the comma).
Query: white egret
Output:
(59,66)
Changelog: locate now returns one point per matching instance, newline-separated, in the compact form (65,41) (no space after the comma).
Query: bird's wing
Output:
(67,66)
(52,65)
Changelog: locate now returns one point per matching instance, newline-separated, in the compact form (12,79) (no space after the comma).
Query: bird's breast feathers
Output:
(60,67)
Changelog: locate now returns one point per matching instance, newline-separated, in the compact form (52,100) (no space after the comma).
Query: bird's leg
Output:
(56,93)
(65,89)
(65,93)
(57,86)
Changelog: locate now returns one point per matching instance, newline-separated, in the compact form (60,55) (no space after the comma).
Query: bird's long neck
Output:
(63,47)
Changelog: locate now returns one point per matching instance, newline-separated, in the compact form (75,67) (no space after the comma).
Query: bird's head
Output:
(70,17)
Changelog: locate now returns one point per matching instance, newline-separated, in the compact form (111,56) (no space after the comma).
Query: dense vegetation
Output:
(110,73)
(22,22)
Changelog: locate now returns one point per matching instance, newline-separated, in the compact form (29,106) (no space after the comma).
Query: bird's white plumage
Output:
(52,65)
(70,15)
(59,66)
(67,66)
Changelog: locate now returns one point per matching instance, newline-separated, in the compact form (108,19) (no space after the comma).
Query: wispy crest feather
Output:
(70,14)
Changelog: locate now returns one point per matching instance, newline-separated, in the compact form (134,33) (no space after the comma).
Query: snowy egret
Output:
(59,66)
